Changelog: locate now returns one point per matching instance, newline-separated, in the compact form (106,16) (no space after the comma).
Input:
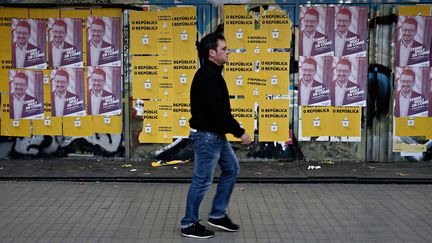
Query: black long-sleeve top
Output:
(209,101)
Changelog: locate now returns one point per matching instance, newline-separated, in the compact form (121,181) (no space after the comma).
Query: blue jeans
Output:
(210,149)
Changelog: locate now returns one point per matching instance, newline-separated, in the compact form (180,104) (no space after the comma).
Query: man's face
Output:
(310,23)
(61,83)
(343,22)
(97,32)
(407,83)
(408,32)
(23,35)
(20,86)
(220,55)
(98,82)
(59,34)
(342,73)
(308,71)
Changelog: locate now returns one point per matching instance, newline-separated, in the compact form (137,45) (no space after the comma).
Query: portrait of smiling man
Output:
(60,52)
(408,102)
(24,53)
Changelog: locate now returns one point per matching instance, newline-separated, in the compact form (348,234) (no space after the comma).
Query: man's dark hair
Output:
(207,43)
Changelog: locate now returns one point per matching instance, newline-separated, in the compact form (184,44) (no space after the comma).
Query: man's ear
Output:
(212,53)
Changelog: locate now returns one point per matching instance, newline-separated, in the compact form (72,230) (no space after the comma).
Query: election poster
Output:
(275,68)
(413,41)
(181,114)
(276,24)
(351,31)
(143,31)
(243,111)
(165,122)
(67,92)
(49,125)
(165,34)
(103,41)
(430,92)
(273,120)
(184,29)
(348,88)
(107,124)
(150,133)
(315,75)
(165,80)
(26,94)
(75,126)
(315,123)
(238,22)
(145,77)
(65,42)
(411,93)
(81,14)
(237,71)
(104,91)
(185,66)
(28,43)
(316,31)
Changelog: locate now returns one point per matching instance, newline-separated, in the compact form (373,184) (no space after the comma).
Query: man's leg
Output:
(207,148)
(230,169)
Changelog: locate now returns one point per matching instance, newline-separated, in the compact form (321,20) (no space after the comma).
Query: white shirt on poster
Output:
(404,54)
(57,53)
(20,54)
(307,44)
(339,44)
(404,105)
(94,53)
(18,104)
(305,93)
(59,101)
(339,94)
(95,102)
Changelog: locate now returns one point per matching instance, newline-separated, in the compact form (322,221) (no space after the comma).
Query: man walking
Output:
(211,120)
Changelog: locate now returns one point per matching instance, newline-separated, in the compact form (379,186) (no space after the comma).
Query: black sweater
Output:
(209,101)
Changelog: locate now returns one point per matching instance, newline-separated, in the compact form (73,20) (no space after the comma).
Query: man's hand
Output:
(246,138)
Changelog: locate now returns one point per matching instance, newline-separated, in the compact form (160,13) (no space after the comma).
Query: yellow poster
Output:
(149,133)
(316,121)
(421,10)
(165,79)
(277,26)
(275,69)
(345,121)
(165,31)
(237,25)
(412,126)
(165,122)
(49,125)
(181,114)
(185,66)
(10,127)
(256,44)
(401,146)
(107,12)
(429,124)
(107,124)
(77,126)
(4,80)
(37,13)
(143,32)
(237,71)
(81,13)
(243,111)
(145,77)
(273,120)
(184,23)
(5,28)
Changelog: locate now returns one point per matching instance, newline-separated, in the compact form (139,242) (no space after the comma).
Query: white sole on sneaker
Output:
(221,227)
(197,237)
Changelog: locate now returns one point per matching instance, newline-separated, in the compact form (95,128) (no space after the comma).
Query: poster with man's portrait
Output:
(413,41)
(316,31)
(351,31)
(411,92)
(315,75)
(65,47)
(67,92)
(430,92)
(103,41)
(104,91)
(349,82)
(26,94)
(28,43)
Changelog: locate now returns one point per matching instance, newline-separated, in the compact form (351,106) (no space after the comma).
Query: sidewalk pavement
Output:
(62,211)
(104,169)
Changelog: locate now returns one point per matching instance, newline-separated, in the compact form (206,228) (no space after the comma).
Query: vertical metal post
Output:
(126,85)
